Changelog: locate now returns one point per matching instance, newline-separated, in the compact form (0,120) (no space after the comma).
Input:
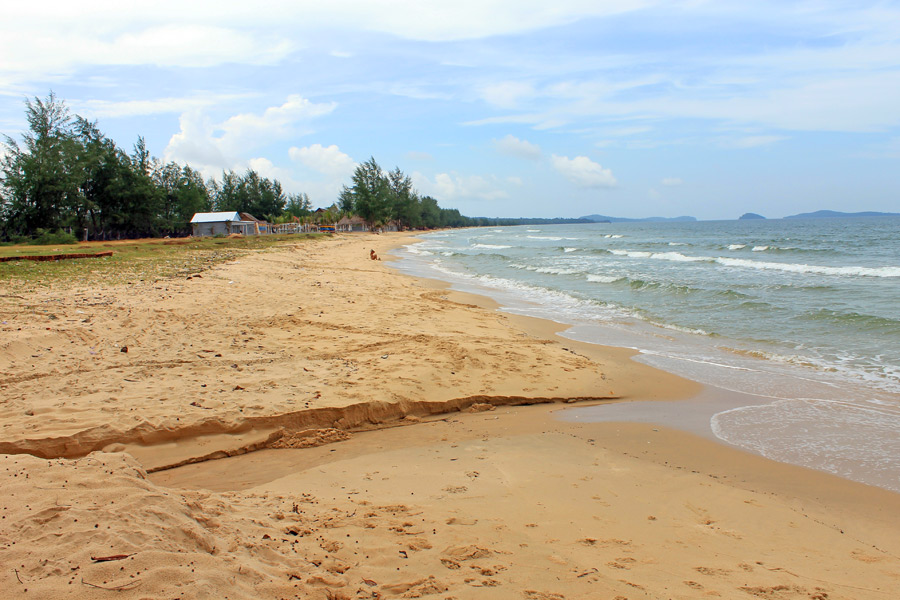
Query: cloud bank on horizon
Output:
(495,107)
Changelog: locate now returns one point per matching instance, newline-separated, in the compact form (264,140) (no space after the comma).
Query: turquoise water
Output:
(804,314)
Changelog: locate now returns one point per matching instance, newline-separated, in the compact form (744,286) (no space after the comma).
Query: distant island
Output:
(832,214)
(750,217)
(606,219)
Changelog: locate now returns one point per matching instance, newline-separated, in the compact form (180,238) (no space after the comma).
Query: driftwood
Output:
(109,558)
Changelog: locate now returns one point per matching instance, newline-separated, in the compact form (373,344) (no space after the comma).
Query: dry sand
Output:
(411,467)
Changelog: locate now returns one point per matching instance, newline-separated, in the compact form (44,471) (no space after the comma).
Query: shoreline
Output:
(741,390)
(504,502)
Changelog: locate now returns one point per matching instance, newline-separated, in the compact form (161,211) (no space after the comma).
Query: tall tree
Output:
(298,205)
(184,194)
(404,200)
(250,193)
(431,212)
(371,193)
(39,179)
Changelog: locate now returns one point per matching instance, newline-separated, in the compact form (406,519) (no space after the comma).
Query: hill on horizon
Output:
(606,219)
(832,214)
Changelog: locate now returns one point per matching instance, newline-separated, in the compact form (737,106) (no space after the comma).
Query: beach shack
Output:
(222,223)
(354,223)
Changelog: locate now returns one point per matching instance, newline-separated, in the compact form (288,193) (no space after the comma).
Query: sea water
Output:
(802,314)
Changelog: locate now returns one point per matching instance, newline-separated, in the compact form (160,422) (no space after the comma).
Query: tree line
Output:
(65,174)
(381,197)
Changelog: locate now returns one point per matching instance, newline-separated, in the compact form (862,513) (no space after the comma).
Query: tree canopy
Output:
(65,173)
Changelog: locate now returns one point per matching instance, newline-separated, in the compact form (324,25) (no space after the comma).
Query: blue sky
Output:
(495,107)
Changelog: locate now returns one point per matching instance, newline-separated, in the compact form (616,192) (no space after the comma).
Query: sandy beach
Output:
(305,422)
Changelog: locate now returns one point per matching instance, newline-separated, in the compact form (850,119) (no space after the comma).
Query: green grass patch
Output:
(132,260)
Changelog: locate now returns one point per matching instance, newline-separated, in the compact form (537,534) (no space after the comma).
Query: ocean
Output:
(802,316)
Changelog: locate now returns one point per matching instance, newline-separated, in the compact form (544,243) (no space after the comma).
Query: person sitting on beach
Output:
(373,256)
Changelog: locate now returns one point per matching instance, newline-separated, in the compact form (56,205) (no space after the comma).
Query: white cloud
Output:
(466,19)
(194,144)
(507,94)
(452,187)
(222,145)
(583,172)
(513,146)
(56,35)
(672,181)
(267,168)
(33,52)
(276,122)
(106,108)
(328,160)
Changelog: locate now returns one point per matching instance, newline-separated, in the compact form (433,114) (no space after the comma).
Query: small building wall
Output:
(207,229)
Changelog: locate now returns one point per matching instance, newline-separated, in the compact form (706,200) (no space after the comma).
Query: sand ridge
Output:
(315,325)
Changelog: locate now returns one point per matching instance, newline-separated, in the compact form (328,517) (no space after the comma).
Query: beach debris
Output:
(110,558)
(125,586)
(123,349)
(369,582)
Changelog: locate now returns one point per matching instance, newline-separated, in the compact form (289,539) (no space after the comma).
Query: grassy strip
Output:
(132,260)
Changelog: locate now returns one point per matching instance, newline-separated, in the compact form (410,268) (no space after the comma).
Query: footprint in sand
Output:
(535,595)
(712,572)
(625,562)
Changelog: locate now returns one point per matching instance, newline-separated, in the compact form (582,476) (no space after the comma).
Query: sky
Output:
(499,108)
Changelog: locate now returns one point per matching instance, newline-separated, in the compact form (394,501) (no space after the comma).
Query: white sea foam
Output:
(677,257)
(570,249)
(678,244)
(818,270)
(631,253)
(737,246)
(491,246)
(611,236)
(602,278)
(541,237)
(415,249)
(760,248)
(672,256)
(556,271)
